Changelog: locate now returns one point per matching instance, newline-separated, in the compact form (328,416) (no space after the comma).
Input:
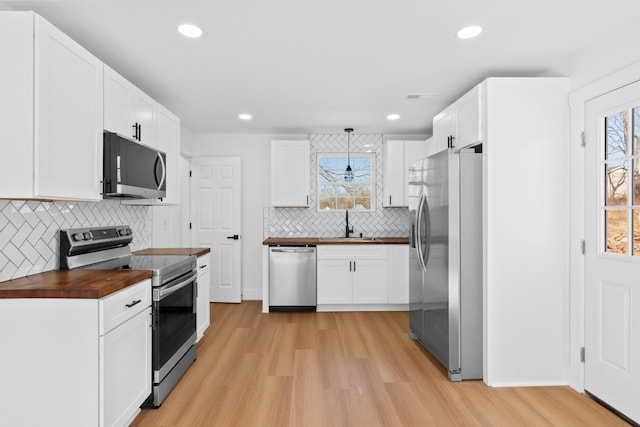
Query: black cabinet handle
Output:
(234,237)
(354,266)
(139,132)
(132,303)
(203,266)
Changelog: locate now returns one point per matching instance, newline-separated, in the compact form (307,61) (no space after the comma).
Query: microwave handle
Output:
(164,171)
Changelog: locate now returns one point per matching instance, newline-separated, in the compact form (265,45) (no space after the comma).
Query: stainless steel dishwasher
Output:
(292,278)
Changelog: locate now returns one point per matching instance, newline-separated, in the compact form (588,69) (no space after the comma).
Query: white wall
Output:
(254,150)
(526,232)
(186,142)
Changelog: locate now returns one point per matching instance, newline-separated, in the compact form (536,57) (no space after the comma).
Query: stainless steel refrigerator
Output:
(445,306)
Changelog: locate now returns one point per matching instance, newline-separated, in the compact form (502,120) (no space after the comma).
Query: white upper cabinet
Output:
(51,108)
(144,117)
(444,130)
(118,104)
(459,125)
(128,111)
(168,140)
(393,178)
(468,115)
(290,170)
(398,157)
(131,113)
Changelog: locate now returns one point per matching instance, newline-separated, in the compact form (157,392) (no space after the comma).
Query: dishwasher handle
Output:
(293,250)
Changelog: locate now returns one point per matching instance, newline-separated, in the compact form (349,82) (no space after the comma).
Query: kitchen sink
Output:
(349,239)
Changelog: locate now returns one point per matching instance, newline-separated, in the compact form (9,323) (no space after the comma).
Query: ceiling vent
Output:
(421,95)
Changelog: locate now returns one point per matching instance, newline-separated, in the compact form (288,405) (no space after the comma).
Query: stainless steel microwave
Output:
(132,170)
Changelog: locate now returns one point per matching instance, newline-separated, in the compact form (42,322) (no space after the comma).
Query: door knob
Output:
(234,237)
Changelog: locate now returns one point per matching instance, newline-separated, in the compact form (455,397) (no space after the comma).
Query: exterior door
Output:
(216,212)
(612,289)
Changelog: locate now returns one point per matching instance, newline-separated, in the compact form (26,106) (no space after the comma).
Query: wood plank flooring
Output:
(344,369)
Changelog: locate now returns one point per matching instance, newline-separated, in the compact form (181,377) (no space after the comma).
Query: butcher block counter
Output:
(315,241)
(82,284)
(173,251)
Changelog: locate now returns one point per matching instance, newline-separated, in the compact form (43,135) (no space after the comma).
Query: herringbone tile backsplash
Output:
(29,238)
(309,222)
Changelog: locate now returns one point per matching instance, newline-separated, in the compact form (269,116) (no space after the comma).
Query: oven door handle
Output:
(169,289)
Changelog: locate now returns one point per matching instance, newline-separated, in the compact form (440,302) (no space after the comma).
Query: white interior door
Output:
(216,214)
(612,288)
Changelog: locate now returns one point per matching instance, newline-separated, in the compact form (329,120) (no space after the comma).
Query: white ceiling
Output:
(319,66)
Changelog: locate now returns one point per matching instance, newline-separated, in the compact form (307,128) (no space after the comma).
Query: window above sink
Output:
(334,193)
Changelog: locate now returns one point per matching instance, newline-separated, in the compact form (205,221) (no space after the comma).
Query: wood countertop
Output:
(82,284)
(173,251)
(315,241)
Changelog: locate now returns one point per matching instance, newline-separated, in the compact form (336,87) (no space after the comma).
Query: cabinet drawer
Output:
(123,305)
(358,251)
(203,264)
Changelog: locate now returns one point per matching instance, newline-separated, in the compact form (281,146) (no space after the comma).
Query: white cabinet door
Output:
(168,140)
(145,116)
(290,169)
(398,274)
(370,281)
(394,182)
(334,281)
(51,108)
(68,105)
(118,103)
(398,157)
(444,128)
(203,302)
(413,151)
(468,131)
(125,370)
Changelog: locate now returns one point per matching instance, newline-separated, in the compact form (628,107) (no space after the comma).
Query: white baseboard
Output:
(252,294)
(363,307)
(529,384)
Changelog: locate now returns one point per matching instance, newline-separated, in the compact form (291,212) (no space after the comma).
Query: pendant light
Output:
(348,173)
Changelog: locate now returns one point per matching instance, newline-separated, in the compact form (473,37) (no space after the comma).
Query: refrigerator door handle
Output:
(418,239)
(428,222)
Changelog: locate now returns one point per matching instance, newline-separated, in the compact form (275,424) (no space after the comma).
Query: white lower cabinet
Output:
(352,274)
(75,362)
(203,303)
(370,281)
(125,369)
(334,281)
(398,274)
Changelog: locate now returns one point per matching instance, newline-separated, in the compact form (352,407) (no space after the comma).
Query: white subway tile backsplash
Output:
(308,222)
(29,241)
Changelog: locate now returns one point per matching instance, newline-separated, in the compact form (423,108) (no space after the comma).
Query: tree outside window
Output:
(334,193)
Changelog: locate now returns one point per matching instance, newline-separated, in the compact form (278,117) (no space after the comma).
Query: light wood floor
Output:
(344,369)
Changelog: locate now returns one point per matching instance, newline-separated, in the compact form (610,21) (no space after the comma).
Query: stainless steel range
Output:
(174,295)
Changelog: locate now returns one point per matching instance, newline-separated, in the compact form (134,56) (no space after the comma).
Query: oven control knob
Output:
(77,237)
(124,232)
(87,235)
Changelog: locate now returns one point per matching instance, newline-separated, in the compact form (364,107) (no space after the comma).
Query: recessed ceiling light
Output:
(189,30)
(244,116)
(393,116)
(469,32)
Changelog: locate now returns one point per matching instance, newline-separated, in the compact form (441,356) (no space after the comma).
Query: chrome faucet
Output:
(347,230)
